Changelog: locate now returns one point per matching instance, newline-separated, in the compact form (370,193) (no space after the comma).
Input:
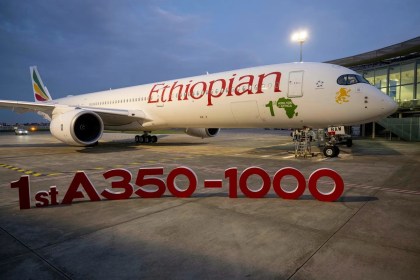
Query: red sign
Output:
(122,188)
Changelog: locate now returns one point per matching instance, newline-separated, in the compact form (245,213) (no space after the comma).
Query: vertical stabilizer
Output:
(41,93)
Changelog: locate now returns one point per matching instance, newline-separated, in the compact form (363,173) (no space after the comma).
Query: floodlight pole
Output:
(301,43)
(300,37)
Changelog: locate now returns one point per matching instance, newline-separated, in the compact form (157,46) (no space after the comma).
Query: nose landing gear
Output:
(336,135)
(331,151)
(329,140)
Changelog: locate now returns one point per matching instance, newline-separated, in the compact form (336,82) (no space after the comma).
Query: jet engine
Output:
(77,127)
(202,132)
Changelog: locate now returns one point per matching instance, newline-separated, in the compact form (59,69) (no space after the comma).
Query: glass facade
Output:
(394,70)
(400,80)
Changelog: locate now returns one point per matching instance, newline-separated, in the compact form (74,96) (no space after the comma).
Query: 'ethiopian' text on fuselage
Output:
(162,92)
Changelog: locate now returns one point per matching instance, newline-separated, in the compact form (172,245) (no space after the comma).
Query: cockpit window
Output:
(351,79)
(362,79)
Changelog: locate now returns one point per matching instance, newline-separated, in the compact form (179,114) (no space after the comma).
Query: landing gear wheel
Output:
(145,138)
(139,139)
(331,151)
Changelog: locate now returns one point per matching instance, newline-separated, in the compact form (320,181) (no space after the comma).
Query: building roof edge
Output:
(407,48)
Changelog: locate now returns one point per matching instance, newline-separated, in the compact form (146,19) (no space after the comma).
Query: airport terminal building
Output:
(395,70)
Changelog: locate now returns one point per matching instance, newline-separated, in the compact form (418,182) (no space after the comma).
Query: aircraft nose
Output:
(393,106)
(389,105)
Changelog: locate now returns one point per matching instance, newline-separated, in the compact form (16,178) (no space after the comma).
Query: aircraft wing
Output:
(110,116)
(24,106)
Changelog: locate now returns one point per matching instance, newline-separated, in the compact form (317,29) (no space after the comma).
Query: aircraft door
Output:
(295,88)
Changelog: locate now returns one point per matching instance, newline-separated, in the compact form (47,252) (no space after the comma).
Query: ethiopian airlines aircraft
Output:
(293,95)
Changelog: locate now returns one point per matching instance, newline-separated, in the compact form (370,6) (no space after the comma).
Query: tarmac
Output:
(371,232)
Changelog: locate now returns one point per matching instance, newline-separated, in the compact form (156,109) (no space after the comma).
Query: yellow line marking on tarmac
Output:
(21,170)
(54,174)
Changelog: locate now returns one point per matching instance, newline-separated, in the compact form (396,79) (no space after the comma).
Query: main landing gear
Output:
(145,138)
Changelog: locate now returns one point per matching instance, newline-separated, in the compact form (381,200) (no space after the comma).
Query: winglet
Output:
(41,93)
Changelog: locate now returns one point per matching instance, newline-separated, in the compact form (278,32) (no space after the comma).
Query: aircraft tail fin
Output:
(41,93)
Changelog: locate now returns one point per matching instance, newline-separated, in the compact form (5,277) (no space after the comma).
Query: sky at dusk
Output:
(85,46)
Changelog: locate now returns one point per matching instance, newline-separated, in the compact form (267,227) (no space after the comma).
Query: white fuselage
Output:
(284,95)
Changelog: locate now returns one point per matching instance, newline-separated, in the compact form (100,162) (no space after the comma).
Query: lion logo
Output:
(342,95)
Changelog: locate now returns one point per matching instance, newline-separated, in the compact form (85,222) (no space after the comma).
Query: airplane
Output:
(290,95)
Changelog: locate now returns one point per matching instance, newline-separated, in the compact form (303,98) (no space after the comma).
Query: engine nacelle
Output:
(202,132)
(77,127)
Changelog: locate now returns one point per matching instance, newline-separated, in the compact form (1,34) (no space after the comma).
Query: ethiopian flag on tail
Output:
(41,93)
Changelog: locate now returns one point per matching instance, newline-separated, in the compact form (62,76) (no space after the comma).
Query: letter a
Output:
(80,178)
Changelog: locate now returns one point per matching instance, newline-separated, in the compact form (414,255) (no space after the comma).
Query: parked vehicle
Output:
(21,131)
